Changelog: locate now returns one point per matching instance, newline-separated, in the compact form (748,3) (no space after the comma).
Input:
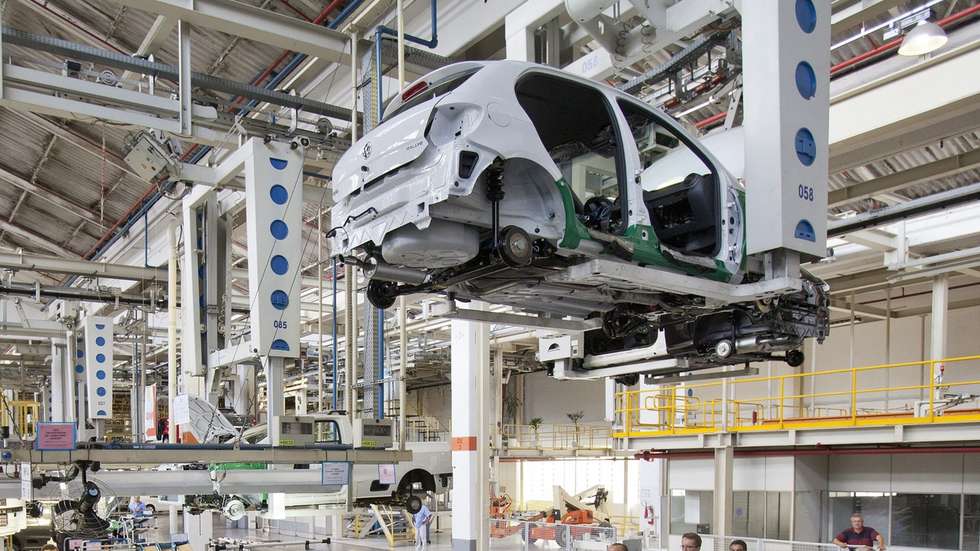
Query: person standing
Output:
(738,545)
(136,507)
(422,518)
(859,536)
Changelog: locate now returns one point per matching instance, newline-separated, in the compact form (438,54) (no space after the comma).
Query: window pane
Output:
(926,520)
(873,507)
(971,523)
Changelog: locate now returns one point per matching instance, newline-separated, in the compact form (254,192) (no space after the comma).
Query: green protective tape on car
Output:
(647,251)
(575,231)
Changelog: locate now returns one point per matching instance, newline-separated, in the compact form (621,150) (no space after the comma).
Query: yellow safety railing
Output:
(26,413)
(907,393)
(557,437)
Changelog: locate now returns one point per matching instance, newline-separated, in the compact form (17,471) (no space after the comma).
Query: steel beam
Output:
(41,263)
(50,196)
(898,109)
(903,211)
(113,59)
(247,21)
(451,311)
(943,168)
(872,239)
(37,239)
(80,141)
(154,40)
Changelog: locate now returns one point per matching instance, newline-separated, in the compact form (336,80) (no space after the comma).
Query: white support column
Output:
(184,82)
(469,374)
(61,381)
(721,524)
(172,341)
(786,103)
(495,421)
(273,366)
(402,368)
(521,23)
(350,339)
(199,529)
(244,388)
(940,322)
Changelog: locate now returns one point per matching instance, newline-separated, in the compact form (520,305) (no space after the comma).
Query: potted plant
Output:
(535,425)
(576,417)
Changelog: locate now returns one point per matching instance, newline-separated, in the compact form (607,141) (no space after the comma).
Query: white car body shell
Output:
(405,170)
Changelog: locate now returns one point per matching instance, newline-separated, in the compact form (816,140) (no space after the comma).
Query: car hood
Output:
(394,143)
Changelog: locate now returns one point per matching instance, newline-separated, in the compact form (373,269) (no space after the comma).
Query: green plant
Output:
(535,424)
(575,417)
(511,404)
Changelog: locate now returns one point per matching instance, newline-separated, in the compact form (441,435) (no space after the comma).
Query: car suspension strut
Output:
(495,193)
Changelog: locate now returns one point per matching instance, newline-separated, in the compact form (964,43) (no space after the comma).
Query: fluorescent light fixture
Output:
(926,37)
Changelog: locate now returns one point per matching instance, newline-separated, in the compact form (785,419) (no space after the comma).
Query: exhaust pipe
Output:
(377,269)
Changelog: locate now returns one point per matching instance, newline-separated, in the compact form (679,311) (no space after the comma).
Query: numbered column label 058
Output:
(805,192)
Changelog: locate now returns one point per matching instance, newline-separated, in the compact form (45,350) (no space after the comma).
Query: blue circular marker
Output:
(280,300)
(279,264)
(100,391)
(100,358)
(279,229)
(79,353)
(806,80)
(806,147)
(806,15)
(79,368)
(100,341)
(100,413)
(100,375)
(278,194)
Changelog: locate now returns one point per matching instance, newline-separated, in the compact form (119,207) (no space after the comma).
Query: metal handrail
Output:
(557,437)
(664,411)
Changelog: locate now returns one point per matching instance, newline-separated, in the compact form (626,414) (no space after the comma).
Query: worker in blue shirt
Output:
(422,518)
(136,507)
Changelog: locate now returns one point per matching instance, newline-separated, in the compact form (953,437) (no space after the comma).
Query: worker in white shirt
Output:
(423,518)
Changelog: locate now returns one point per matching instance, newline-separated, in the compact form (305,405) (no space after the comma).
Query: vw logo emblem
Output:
(366,150)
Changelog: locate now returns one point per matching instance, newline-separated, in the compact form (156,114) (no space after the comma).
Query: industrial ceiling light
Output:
(926,37)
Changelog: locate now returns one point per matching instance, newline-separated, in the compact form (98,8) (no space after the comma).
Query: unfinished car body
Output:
(487,180)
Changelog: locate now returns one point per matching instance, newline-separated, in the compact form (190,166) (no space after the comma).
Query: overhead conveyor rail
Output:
(160,454)
(198,80)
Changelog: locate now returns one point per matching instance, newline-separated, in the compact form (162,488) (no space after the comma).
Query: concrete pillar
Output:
(721,523)
(469,378)
(940,322)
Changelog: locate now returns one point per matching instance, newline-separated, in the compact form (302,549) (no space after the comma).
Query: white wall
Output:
(432,402)
(915,474)
(553,400)
(774,474)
